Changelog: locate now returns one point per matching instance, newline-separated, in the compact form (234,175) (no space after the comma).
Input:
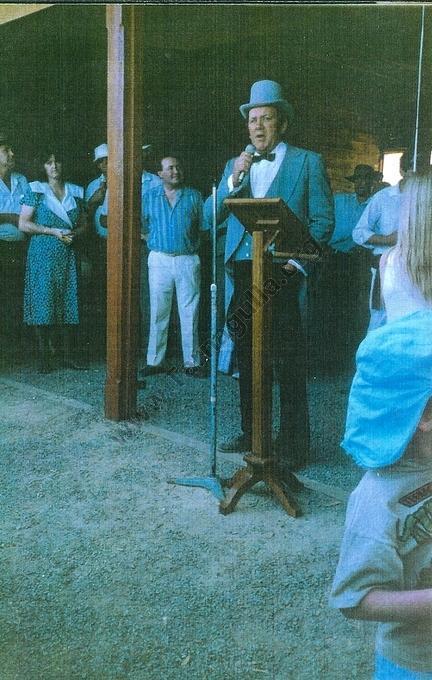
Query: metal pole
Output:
(213,340)
(212,482)
(419,79)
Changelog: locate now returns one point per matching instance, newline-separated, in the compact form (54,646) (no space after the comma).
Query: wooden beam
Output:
(12,11)
(124,185)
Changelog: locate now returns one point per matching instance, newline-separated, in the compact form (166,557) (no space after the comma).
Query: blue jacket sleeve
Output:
(222,193)
(321,211)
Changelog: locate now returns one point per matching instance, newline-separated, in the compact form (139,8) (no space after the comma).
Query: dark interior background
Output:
(349,71)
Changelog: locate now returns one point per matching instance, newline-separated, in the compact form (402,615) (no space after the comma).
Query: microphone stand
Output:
(212,482)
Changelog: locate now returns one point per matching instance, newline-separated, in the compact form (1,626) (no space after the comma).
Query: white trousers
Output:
(167,272)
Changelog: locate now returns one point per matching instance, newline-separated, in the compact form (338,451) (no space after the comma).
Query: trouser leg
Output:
(187,283)
(161,286)
(144,300)
(289,352)
(239,323)
(290,356)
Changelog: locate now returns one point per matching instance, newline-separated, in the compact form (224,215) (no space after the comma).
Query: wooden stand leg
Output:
(284,499)
(257,470)
(243,480)
(260,464)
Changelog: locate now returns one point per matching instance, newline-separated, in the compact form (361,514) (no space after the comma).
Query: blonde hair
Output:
(414,243)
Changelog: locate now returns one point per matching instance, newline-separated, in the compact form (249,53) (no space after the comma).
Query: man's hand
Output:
(288,267)
(241,164)
(383,240)
(98,197)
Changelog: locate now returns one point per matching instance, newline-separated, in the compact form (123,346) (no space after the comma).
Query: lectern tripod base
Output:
(257,470)
(265,219)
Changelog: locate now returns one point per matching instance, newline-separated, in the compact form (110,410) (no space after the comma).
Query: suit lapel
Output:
(288,175)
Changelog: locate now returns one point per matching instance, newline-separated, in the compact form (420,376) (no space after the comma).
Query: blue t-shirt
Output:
(173,229)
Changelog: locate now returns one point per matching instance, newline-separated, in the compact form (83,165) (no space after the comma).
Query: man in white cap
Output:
(148,179)
(96,192)
(273,169)
(96,196)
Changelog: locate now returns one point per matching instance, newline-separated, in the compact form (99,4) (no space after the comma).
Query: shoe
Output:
(195,371)
(151,370)
(240,444)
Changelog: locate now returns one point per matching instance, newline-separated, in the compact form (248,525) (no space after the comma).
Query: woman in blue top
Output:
(53,214)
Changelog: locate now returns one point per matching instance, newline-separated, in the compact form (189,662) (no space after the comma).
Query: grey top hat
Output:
(267,93)
(362,171)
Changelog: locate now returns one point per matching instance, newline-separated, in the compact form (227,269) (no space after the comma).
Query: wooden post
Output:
(124,206)
(262,365)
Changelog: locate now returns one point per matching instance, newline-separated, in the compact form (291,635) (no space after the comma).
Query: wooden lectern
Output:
(269,220)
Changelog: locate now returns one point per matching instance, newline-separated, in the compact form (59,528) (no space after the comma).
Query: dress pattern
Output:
(51,287)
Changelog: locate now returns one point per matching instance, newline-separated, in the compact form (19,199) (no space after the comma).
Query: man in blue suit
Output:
(273,169)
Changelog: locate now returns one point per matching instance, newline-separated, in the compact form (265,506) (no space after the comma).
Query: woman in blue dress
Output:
(53,215)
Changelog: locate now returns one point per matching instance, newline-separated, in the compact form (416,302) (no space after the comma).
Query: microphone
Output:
(249,149)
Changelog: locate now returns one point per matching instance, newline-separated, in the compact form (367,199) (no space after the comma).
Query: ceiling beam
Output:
(12,11)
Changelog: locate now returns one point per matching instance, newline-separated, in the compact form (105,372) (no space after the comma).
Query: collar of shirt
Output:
(14,177)
(59,208)
(263,173)
(362,204)
(160,191)
(393,190)
(150,177)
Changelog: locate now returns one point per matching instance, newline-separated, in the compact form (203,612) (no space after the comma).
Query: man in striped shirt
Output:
(172,217)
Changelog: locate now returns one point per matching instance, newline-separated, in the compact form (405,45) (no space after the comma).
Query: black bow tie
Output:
(264,157)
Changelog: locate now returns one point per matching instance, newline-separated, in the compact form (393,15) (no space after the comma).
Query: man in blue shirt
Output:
(349,208)
(377,231)
(12,241)
(172,217)
(148,181)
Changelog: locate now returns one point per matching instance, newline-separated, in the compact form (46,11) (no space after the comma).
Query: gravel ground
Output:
(181,404)
(109,572)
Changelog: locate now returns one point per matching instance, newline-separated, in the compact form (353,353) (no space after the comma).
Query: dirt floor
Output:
(110,572)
